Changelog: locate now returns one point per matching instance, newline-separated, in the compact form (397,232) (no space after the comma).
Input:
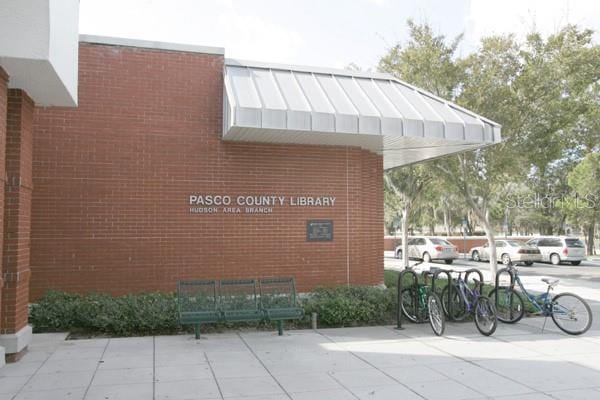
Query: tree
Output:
(546,94)
(482,83)
(585,182)
(404,187)
(426,61)
(558,97)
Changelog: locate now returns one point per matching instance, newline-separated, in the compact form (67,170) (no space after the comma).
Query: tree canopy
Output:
(545,93)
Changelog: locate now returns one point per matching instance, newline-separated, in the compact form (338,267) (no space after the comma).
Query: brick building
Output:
(129,165)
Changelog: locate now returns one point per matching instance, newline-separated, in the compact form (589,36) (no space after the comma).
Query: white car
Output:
(508,251)
(428,249)
(558,249)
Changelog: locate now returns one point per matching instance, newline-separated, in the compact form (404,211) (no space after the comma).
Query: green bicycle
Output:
(420,304)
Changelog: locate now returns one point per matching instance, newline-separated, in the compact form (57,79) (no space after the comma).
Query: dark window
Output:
(421,242)
(500,244)
(550,242)
(439,241)
(555,243)
(574,243)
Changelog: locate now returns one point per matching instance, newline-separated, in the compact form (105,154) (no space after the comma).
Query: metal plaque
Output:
(319,230)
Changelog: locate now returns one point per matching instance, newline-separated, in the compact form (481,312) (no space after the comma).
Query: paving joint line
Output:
(212,371)
(373,366)
(264,366)
(342,385)
(34,374)
(96,369)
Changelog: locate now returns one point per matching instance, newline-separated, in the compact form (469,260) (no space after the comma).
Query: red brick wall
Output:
(3,105)
(113,176)
(17,211)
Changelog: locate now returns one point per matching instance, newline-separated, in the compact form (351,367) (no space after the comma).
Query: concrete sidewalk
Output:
(518,362)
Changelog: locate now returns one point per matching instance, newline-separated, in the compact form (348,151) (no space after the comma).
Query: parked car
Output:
(558,249)
(429,248)
(508,251)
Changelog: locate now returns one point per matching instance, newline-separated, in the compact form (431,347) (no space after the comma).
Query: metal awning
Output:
(273,103)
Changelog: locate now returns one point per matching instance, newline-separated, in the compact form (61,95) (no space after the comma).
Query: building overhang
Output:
(39,43)
(273,103)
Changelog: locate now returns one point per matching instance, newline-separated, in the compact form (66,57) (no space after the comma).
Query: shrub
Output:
(156,313)
(56,311)
(351,306)
(146,313)
(390,278)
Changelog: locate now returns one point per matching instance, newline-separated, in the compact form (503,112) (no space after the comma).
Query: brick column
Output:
(3,101)
(15,334)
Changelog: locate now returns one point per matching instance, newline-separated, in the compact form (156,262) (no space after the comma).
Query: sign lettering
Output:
(252,204)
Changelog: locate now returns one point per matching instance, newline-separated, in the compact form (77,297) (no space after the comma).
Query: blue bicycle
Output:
(469,300)
(570,313)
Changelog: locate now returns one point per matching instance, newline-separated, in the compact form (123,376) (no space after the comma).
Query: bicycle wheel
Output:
(571,313)
(459,307)
(485,316)
(408,309)
(436,315)
(510,307)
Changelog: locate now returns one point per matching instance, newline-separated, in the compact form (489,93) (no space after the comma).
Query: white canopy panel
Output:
(289,104)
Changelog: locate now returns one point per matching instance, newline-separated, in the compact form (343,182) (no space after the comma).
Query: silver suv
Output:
(559,249)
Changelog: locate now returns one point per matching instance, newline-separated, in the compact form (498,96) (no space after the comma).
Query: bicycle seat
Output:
(550,282)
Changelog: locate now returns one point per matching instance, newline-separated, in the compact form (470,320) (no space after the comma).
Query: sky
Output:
(328,33)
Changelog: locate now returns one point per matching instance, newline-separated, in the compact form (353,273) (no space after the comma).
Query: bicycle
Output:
(467,300)
(420,304)
(564,308)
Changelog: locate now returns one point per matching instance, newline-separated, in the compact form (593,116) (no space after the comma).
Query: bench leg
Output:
(280,327)
(197,331)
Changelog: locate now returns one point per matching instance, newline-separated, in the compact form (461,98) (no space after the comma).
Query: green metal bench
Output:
(237,300)
(278,300)
(197,303)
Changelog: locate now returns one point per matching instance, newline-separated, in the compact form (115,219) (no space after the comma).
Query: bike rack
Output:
(450,288)
(478,272)
(508,271)
(511,286)
(400,285)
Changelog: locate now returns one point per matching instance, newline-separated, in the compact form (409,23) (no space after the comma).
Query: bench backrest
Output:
(197,295)
(277,292)
(238,294)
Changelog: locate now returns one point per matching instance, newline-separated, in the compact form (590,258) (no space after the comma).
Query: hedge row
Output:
(156,313)
(146,313)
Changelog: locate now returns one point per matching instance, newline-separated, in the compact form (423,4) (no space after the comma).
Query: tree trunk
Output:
(590,239)
(483,216)
(446,222)
(405,210)
(489,234)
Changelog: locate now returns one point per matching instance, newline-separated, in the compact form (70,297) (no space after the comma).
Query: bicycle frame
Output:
(546,308)
(422,292)
(467,293)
